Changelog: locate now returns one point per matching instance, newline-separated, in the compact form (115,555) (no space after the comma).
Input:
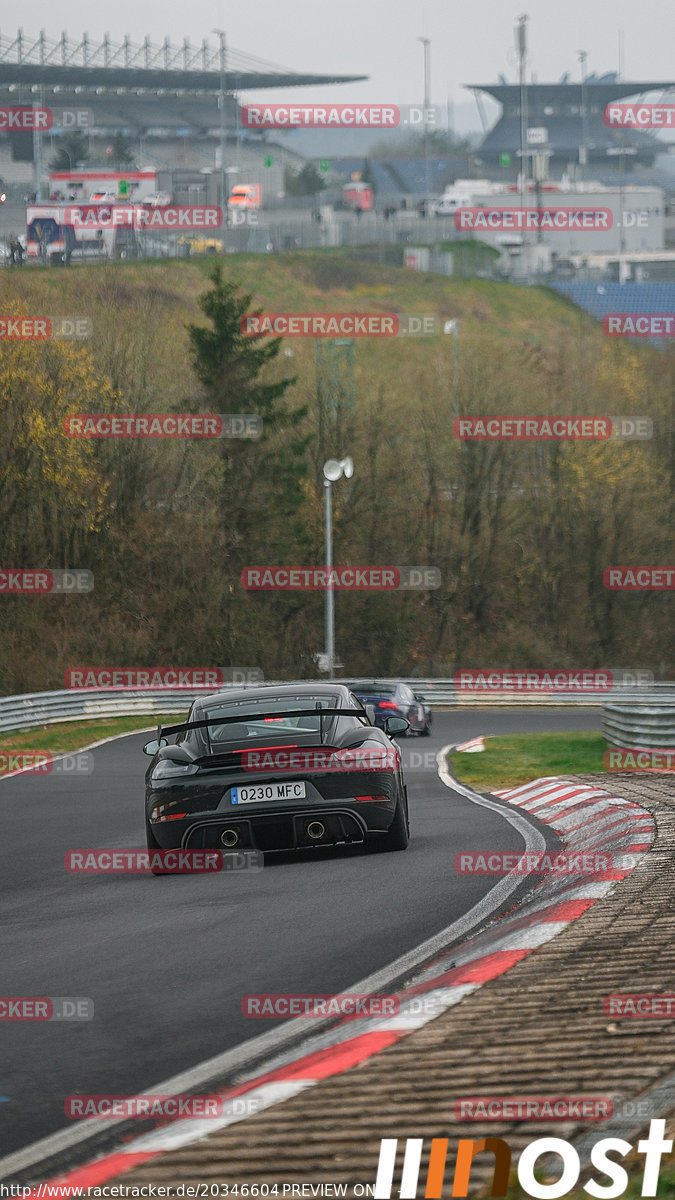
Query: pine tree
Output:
(262,478)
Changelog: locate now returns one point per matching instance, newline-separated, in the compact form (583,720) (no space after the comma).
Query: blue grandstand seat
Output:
(599,299)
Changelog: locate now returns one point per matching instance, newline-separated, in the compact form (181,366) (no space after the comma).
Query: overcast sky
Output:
(471,40)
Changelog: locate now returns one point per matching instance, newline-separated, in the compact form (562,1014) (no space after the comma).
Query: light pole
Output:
(453,328)
(426,43)
(221,106)
(582,148)
(333,469)
(521,46)
(37,156)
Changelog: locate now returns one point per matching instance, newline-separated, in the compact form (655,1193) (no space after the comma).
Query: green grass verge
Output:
(508,761)
(72,735)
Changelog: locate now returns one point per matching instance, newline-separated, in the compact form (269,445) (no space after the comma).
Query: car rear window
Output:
(255,717)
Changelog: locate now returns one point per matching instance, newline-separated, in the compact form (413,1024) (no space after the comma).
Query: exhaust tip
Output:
(229,837)
(316,830)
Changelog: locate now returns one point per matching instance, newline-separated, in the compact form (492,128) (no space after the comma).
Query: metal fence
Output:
(646,720)
(52,708)
(631,714)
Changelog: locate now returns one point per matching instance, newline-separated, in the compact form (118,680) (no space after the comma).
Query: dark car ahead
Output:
(395,699)
(277,768)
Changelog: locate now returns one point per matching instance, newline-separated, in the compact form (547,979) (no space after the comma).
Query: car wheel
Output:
(396,837)
(152,847)
(426,732)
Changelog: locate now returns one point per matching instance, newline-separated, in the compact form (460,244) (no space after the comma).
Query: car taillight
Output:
(160,814)
(166,768)
(358,758)
(376,798)
(387,704)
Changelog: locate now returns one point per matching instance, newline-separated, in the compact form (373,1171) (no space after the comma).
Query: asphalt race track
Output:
(167,961)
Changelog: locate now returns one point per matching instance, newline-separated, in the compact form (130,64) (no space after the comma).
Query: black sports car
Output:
(277,768)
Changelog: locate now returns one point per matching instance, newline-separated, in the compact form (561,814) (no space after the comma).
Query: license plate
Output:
(259,792)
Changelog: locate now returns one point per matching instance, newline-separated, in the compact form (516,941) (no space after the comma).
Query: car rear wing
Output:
(170,730)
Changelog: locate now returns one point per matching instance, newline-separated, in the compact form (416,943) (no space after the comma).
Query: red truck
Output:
(357,196)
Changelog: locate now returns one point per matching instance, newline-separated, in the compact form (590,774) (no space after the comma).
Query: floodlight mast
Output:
(521,45)
(221,107)
(333,469)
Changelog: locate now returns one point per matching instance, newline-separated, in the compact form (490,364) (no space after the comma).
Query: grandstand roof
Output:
(558,107)
(601,90)
(41,62)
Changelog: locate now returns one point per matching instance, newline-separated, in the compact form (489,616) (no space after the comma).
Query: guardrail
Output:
(645,720)
(52,708)
(442,693)
(630,712)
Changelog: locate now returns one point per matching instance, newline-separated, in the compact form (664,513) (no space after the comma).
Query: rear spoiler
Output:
(169,730)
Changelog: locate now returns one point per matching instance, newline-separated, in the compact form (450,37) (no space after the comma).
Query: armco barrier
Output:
(644,720)
(442,693)
(657,703)
(51,708)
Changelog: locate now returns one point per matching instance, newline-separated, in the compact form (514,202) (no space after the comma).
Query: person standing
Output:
(15,250)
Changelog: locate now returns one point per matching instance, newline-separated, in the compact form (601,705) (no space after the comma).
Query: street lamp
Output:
(333,469)
(453,328)
(221,106)
(426,43)
(582,148)
(521,46)
(37,155)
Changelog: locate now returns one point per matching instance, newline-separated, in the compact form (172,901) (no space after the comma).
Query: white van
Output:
(449,202)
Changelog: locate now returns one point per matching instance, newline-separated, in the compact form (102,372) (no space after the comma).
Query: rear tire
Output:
(397,835)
